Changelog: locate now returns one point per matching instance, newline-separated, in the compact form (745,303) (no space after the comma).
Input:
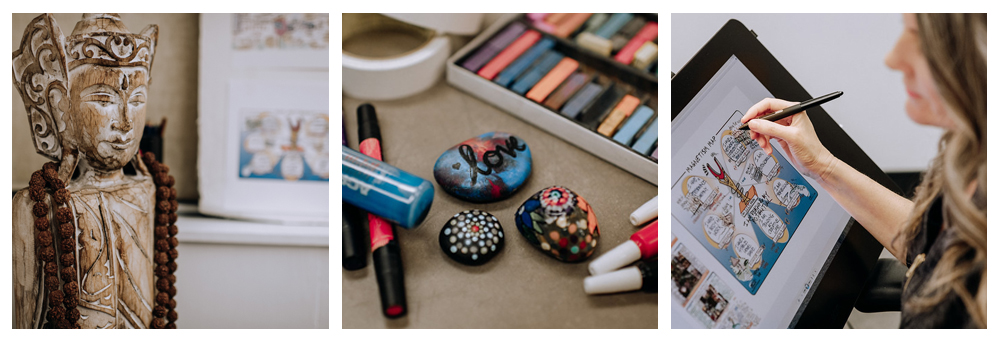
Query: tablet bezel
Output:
(847,270)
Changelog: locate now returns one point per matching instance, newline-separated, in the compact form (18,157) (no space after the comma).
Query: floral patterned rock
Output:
(472,237)
(486,168)
(560,223)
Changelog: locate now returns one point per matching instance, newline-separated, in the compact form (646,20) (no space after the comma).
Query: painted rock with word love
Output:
(560,223)
(485,168)
(471,237)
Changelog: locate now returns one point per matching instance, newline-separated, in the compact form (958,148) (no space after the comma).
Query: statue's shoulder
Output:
(22,197)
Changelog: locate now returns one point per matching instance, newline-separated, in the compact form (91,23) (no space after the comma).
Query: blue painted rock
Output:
(471,237)
(560,223)
(485,168)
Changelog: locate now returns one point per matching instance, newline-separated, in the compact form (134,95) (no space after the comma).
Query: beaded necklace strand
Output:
(62,299)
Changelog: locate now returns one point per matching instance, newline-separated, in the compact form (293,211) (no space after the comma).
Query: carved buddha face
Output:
(107,113)
(85,93)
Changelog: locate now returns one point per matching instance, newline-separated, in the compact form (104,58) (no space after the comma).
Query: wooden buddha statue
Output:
(85,96)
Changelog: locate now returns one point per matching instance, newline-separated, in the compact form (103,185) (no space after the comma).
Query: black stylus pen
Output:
(795,109)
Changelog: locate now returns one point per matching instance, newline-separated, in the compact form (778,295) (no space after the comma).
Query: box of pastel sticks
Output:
(587,78)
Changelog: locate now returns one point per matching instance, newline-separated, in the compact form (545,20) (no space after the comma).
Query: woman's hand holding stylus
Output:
(877,208)
(796,136)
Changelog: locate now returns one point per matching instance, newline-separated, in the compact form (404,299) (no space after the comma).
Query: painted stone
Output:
(560,223)
(471,237)
(485,168)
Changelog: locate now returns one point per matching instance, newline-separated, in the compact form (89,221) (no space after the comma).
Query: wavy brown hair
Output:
(955,48)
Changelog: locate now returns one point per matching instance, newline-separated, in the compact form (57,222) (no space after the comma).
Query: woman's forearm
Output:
(875,207)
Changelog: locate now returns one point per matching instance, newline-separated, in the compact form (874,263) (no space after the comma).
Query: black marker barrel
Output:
(355,252)
(354,220)
(385,247)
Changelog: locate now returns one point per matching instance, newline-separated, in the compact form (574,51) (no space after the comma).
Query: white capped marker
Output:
(642,244)
(644,213)
(639,277)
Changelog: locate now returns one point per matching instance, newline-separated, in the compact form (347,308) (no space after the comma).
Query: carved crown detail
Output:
(45,57)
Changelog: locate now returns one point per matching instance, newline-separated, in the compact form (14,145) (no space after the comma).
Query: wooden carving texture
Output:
(85,97)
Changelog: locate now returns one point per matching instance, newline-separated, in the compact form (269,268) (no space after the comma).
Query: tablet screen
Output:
(750,234)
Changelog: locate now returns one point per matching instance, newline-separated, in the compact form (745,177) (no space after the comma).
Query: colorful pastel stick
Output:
(613,24)
(645,142)
(509,54)
(632,125)
(566,90)
(594,43)
(580,100)
(645,56)
(522,63)
(494,46)
(627,53)
(620,39)
(551,80)
(556,18)
(537,16)
(528,79)
(621,111)
(595,113)
(570,24)
(550,22)
(595,22)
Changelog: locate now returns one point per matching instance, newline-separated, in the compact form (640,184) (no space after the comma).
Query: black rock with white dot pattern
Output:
(472,237)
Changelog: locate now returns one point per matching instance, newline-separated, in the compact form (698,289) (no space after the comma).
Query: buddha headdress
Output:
(51,71)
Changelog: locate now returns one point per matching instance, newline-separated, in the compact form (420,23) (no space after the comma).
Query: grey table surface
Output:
(521,287)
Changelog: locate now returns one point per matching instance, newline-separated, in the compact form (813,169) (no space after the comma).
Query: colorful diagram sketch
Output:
(281,31)
(740,203)
(290,145)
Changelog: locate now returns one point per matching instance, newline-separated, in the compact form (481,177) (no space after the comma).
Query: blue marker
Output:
(528,80)
(383,190)
(633,124)
(645,142)
(615,23)
(523,62)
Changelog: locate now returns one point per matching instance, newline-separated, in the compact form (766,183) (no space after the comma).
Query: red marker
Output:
(642,244)
(385,248)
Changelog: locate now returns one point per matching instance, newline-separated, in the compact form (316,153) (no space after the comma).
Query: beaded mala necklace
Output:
(166,244)
(63,312)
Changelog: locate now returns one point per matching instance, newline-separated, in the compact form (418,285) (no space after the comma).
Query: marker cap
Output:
(367,123)
(626,279)
(644,213)
(621,255)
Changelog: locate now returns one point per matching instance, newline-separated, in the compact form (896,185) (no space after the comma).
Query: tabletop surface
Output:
(521,287)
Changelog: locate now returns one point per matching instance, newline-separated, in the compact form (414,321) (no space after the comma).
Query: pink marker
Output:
(642,244)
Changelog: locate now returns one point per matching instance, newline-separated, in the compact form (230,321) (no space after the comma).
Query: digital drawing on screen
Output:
(742,204)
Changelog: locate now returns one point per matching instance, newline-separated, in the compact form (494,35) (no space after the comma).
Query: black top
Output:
(932,241)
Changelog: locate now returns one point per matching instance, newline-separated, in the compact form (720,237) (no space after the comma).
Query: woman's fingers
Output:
(764,142)
(769,128)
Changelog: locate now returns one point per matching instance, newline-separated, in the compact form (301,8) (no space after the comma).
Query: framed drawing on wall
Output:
(263,118)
